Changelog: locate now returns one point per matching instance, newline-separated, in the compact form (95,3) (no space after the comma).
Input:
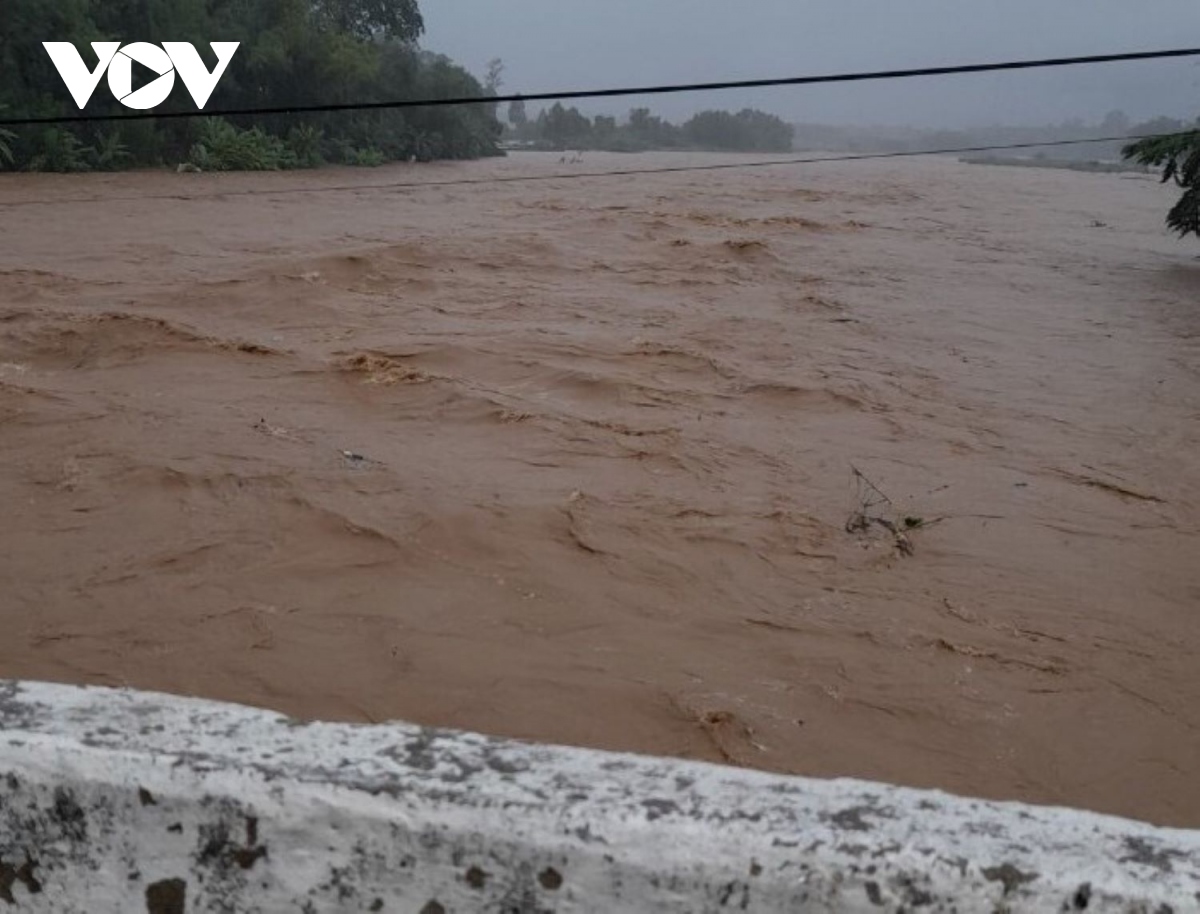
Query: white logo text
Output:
(173,57)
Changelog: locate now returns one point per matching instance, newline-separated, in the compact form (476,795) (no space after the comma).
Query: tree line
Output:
(306,52)
(560,128)
(293,52)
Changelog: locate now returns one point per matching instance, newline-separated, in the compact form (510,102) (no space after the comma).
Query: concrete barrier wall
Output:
(131,802)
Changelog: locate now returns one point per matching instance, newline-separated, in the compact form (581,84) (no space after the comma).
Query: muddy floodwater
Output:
(884,470)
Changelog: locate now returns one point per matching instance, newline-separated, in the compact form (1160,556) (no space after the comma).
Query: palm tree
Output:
(1179,156)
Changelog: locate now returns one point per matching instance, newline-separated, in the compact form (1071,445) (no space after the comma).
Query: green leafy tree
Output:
(640,120)
(604,129)
(6,138)
(61,150)
(564,127)
(293,52)
(648,131)
(398,19)
(110,152)
(1179,157)
(746,131)
(517,115)
(494,81)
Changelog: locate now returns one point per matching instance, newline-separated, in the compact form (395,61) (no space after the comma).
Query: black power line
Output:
(614,93)
(586,175)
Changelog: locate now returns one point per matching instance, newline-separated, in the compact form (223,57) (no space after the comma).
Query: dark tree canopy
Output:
(563,127)
(517,116)
(746,131)
(397,19)
(293,52)
(558,127)
(1179,157)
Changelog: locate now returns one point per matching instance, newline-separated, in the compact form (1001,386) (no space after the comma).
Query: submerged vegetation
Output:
(293,52)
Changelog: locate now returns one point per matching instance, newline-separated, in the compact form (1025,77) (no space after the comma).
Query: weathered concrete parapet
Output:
(114,801)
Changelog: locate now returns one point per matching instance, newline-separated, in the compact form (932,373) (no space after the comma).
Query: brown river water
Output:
(575,461)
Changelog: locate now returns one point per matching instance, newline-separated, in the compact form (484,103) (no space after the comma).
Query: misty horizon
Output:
(1074,123)
(626,44)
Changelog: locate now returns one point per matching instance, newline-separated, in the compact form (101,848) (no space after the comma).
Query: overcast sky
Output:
(561,44)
